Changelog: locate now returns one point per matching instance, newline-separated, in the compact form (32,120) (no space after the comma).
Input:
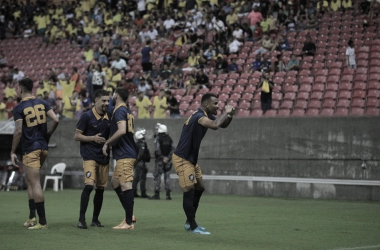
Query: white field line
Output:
(358,248)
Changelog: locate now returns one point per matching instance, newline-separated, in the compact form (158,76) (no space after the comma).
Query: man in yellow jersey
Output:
(160,105)
(143,104)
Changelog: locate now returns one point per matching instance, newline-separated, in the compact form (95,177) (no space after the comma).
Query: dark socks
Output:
(85,197)
(120,195)
(188,207)
(128,204)
(197,197)
(40,206)
(32,209)
(98,202)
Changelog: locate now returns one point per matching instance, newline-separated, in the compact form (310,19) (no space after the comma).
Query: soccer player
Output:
(124,151)
(31,126)
(92,132)
(185,157)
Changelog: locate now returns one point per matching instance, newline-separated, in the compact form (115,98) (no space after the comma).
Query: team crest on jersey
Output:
(88,174)
(191,177)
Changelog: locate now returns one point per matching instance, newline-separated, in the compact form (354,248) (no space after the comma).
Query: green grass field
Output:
(236,222)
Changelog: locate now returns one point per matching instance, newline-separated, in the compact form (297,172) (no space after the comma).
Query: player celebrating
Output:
(31,126)
(92,132)
(124,151)
(185,157)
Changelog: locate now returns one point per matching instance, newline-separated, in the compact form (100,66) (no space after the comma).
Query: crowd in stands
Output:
(168,52)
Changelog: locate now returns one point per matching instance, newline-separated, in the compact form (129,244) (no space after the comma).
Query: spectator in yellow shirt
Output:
(143,104)
(88,54)
(116,78)
(335,5)
(69,104)
(10,91)
(346,4)
(160,105)
(2,110)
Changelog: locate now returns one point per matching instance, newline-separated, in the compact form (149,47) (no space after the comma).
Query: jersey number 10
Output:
(35,115)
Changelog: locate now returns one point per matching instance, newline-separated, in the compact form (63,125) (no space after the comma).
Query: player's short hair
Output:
(100,93)
(26,84)
(207,97)
(123,93)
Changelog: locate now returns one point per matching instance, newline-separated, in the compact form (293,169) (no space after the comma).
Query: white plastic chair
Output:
(56,175)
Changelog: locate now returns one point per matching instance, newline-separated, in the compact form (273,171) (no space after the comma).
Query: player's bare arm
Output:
(79,136)
(121,130)
(54,122)
(16,140)
(221,122)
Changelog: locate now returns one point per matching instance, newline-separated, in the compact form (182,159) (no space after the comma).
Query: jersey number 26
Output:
(35,115)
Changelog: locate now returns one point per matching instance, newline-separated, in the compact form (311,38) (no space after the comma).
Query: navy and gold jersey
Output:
(191,137)
(125,147)
(91,124)
(33,113)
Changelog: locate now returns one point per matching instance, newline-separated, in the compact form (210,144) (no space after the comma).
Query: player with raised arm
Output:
(185,157)
(92,132)
(124,151)
(31,128)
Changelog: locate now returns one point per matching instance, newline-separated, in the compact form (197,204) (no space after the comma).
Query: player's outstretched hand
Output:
(229,109)
(105,147)
(14,160)
(98,139)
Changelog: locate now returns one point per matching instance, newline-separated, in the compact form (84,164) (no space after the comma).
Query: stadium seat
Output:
(284,112)
(357,111)
(358,103)
(286,104)
(291,88)
(319,87)
(303,95)
(373,102)
(332,86)
(256,113)
(316,95)
(301,104)
(340,111)
(372,111)
(375,93)
(316,104)
(277,96)
(305,88)
(270,113)
(329,103)
(327,112)
(320,79)
(243,113)
(312,112)
(359,94)
(298,112)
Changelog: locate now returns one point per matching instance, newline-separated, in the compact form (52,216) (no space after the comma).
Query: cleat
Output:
(187,227)
(144,195)
(199,230)
(124,226)
(96,224)
(168,198)
(30,222)
(39,226)
(82,225)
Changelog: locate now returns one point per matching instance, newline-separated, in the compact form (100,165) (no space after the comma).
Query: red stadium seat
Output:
(327,112)
(298,112)
(372,111)
(341,111)
(319,87)
(359,94)
(289,96)
(320,79)
(305,88)
(358,85)
(317,95)
(316,104)
(301,104)
(286,104)
(270,113)
(359,103)
(373,102)
(329,103)
(277,96)
(243,113)
(332,86)
(247,97)
(284,112)
(244,105)
(312,112)
(373,85)
(373,93)
(303,95)
(357,111)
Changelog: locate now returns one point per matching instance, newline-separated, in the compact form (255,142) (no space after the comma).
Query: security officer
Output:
(141,169)
(163,153)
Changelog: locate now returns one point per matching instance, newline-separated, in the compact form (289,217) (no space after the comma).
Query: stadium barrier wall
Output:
(266,156)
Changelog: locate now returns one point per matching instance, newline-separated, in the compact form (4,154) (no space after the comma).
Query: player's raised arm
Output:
(221,122)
